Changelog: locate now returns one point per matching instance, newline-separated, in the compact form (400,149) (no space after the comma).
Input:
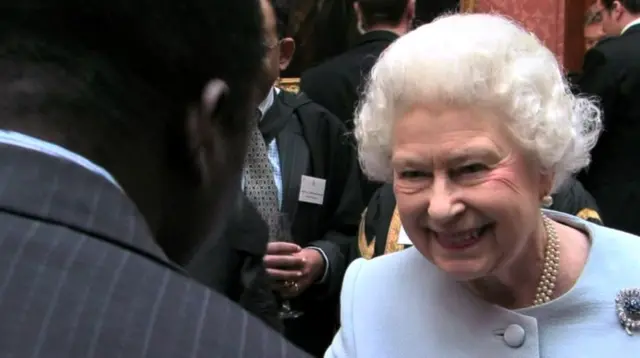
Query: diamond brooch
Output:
(628,309)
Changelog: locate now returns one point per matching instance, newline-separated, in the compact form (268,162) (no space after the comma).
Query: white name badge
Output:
(312,190)
(403,238)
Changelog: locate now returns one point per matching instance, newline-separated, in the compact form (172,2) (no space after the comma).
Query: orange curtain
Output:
(558,23)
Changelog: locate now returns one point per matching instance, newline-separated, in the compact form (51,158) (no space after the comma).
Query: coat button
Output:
(514,336)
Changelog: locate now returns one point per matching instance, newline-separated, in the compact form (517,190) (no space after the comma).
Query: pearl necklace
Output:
(551,264)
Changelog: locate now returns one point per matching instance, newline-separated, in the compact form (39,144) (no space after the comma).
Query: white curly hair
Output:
(478,60)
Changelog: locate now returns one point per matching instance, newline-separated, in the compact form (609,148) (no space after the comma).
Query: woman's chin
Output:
(463,270)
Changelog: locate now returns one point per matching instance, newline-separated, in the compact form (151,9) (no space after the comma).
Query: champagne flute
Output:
(284,235)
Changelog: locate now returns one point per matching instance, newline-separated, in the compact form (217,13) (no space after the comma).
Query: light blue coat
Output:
(400,305)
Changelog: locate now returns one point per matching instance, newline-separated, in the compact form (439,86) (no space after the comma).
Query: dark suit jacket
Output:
(232,264)
(80,276)
(374,238)
(611,72)
(574,77)
(337,84)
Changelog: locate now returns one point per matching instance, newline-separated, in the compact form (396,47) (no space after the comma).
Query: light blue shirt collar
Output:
(632,23)
(266,103)
(32,143)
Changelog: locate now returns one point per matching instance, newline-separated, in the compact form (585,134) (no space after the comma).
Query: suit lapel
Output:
(294,162)
(275,119)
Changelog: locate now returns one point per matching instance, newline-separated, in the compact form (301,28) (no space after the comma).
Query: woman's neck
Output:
(514,286)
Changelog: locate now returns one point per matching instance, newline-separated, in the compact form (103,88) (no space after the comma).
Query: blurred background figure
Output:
(593,31)
(337,83)
(611,73)
(324,29)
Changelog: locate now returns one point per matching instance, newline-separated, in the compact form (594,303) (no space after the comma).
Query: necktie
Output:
(260,186)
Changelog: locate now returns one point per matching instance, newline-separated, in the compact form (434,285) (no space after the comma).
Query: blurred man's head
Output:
(391,15)
(617,14)
(280,46)
(593,27)
(156,92)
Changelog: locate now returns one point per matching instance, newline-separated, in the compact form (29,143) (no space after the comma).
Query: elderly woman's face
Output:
(467,194)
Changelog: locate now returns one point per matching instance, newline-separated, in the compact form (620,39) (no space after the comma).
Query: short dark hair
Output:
(382,12)
(281,10)
(633,6)
(99,67)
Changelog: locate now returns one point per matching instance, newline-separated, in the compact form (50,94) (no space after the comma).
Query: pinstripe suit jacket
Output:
(80,276)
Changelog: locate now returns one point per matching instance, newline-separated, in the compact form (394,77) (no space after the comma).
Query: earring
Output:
(547,201)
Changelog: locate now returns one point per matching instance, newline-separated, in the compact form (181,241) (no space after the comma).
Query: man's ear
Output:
(287,49)
(617,11)
(200,127)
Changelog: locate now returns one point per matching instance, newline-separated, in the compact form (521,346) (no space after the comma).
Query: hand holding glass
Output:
(284,235)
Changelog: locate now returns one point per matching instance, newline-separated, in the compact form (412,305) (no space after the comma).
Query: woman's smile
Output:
(460,240)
